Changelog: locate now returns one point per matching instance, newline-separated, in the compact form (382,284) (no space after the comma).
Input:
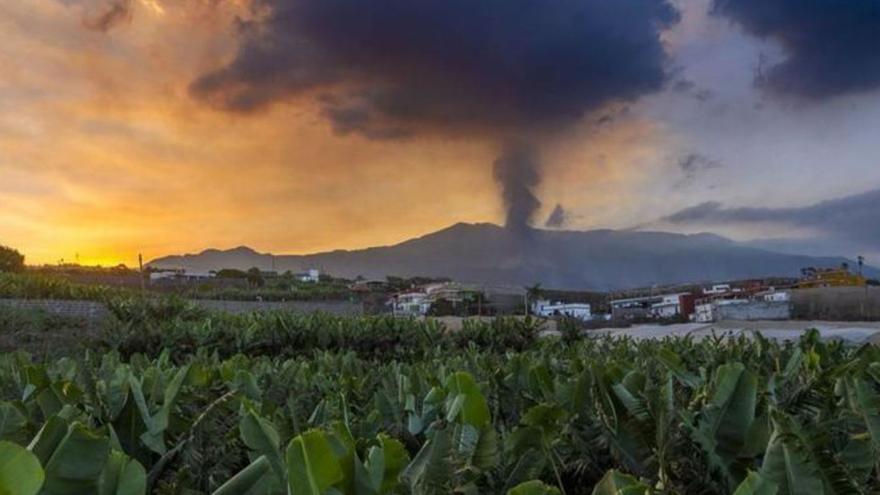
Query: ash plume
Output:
(557,217)
(517,171)
(482,69)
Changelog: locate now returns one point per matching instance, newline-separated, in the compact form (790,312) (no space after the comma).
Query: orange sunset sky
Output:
(105,153)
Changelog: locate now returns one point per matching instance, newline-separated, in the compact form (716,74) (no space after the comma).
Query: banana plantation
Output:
(177,403)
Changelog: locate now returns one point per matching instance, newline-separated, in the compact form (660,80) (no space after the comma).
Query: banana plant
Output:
(722,427)
(20,470)
(533,487)
(616,483)
(67,457)
(798,461)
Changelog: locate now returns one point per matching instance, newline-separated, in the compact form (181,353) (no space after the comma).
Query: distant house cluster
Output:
(455,298)
(170,276)
(762,303)
(548,309)
(747,300)
(183,277)
(759,299)
(463,299)
(312,276)
(653,306)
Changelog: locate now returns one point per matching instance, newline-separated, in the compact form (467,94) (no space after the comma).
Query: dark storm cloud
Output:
(557,217)
(831,45)
(109,15)
(449,65)
(360,119)
(852,218)
(388,69)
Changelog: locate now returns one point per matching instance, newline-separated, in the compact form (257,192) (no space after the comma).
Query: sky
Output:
(297,126)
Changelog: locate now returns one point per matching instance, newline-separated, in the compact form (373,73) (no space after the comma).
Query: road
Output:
(853,332)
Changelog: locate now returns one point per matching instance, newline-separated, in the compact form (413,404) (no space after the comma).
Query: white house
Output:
(313,276)
(668,307)
(653,306)
(180,275)
(717,289)
(545,308)
(704,312)
(776,296)
(411,304)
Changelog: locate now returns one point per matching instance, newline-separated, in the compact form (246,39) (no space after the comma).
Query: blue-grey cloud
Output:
(851,218)
(448,65)
(692,165)
(831,45)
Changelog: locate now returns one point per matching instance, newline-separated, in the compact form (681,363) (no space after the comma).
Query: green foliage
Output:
(20,471)
(37,286)
(533,487)
(616,483)
(266,404)
(312,464)
(10,260)
(755,484)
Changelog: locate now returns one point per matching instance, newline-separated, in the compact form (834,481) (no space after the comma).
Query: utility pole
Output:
(141,266)
(861,260)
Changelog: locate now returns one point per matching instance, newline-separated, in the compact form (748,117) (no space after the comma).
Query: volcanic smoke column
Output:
(485,70)
(517,171)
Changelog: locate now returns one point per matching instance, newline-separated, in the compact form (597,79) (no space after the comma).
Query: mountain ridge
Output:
(602,259)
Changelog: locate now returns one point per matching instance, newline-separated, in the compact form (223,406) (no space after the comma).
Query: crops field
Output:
(173,400)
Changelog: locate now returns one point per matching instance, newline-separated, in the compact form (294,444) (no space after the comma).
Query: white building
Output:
(313,276)
(411,304)
(668,307)
(776,296)
(180,275)
(654,306)
(545,308)
(704,312)
(717,289)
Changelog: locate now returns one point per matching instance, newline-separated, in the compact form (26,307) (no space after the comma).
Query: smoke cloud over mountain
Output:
(487,69)
(517,170)
(558,217)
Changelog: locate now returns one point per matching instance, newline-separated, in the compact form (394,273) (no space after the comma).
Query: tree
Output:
(255,277)
(10,260)
(231,273)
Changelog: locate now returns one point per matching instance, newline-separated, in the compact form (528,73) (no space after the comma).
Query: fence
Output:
(90,311)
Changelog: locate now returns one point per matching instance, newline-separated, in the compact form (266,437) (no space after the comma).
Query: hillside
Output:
(596,259)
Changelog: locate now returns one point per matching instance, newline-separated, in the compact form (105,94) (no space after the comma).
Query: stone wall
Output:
(754,310)
(837,303)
